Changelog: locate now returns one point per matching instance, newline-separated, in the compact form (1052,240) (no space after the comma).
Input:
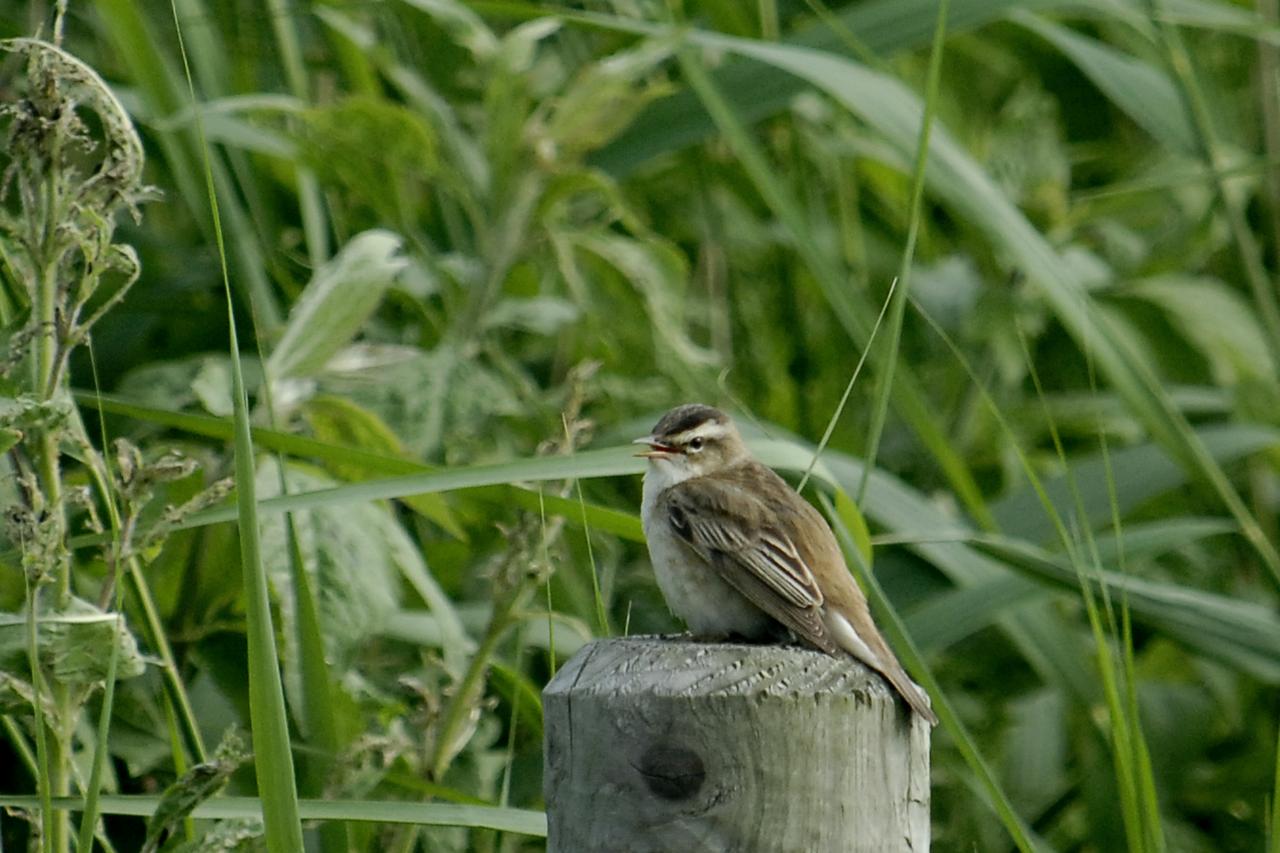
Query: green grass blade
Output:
(310,200)
(892,626)
(550,570)
(755,91)
(1149,800)
(93,790)
(317,687)
(880,409)
(1143,92)
(498,492)
(1138,805)
(1275,799)
(152,70)
(848,389)
(602,614)
(1202,120)
(954,177)
(519,821)
(273,754)
(851,307)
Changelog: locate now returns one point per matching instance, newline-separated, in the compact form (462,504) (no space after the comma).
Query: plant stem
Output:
(56,824)
(448,741)
(43,776)
(66,714)
(155,632)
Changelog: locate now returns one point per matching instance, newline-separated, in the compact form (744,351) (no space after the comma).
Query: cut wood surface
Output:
(658,744)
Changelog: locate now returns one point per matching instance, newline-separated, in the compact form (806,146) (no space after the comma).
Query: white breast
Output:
(694,591)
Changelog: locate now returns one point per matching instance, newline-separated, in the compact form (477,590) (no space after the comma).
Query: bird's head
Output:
(693,440)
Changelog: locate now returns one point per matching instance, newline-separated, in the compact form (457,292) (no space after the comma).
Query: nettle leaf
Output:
(542,315)
(201,379)
(425,397)
(339,421)
(601,101)
(518,50)
(73,644)
(17,696)
(346,555)
(336,303)
(26,412)
(234,835)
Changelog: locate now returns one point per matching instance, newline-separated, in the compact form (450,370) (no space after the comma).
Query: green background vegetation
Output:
(472,249)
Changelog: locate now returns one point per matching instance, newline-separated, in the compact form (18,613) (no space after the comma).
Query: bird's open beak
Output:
(656,448)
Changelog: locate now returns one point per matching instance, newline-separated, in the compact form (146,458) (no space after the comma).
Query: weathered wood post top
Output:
(657,744)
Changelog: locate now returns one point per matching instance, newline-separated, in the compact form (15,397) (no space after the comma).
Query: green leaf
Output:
(194,787)
(336,303)
(347,558)
(75,644)
(1144,92)
(8,438)
(951,616)
(756,91)
(343,423)
(604,519)
(1139,473)
(1242,634)
(853,519)
(1221,324)
(893,110)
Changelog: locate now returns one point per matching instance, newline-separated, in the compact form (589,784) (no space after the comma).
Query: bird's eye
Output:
(695,444)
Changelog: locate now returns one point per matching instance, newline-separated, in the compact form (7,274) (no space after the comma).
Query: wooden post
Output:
(657,744)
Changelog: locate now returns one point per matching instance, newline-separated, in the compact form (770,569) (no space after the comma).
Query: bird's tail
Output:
(869,647)
(910,691)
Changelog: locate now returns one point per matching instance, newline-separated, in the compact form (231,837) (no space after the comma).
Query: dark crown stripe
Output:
(687,417)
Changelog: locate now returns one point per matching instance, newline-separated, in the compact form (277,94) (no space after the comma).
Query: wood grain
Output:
(656,744)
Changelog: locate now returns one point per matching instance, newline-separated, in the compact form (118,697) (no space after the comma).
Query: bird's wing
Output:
(735,532)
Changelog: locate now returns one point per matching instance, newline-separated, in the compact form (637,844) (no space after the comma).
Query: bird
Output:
(738,553)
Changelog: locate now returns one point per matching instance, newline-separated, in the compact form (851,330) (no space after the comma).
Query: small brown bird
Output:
(737,552)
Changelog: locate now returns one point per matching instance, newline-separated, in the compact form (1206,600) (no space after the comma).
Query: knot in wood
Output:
(671,771)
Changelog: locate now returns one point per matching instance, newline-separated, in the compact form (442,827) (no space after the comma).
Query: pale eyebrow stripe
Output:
(710,429)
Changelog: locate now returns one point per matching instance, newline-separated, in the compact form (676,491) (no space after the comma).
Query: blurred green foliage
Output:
(462,234)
